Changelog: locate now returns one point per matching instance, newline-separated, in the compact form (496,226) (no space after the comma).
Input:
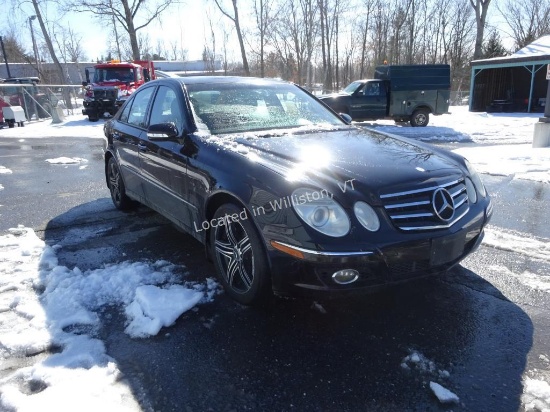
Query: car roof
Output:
(29,79)
(221,79)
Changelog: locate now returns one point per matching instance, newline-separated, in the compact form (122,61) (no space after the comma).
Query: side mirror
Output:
(345,117)
(162,131)
(146,75)
(87,76)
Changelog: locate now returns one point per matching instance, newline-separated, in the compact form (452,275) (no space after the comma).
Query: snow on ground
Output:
(512,241)
(464,126)
(520,161)
(45,306)
(74,125)
(506,138)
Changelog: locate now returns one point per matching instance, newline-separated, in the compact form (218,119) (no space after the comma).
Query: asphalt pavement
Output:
(478,330)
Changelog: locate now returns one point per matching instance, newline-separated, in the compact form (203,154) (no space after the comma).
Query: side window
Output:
(125,113)
(372,89)
(166,108)
(138,110)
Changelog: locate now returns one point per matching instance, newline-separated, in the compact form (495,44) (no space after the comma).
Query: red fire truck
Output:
(111,85)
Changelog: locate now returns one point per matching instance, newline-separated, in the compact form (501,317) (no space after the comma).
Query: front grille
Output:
(106,93)
(414,210)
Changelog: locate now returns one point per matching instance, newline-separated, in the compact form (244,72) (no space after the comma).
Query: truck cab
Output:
(364,99)
(111,84)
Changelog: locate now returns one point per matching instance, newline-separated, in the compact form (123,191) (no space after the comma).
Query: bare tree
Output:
(234,17)
(131,15)
(209,52)
(48,41)
(381,24)
(177,52)
(329,11)
(263,10)
(459,40)
(480,7)
(400,11)
(528,19)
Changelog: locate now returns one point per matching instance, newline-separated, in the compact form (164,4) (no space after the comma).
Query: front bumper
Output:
(305,272)
(100,106)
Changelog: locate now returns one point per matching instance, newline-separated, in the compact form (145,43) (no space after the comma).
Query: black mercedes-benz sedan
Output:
(287,196)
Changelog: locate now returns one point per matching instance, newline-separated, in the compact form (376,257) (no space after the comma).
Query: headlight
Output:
(321,212)
(366,216)
(471,190)
(476,179)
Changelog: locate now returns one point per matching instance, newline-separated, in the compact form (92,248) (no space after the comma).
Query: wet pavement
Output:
(478,330)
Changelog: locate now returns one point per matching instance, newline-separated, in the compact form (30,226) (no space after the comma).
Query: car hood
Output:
(333,96)
(378,162)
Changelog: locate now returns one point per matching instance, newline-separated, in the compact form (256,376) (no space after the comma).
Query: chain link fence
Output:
(41,101)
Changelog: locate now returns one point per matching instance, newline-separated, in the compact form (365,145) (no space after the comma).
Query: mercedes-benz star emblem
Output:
(443,204)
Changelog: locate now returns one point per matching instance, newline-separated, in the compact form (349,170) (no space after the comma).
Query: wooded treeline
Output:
(310,42)
(334,42)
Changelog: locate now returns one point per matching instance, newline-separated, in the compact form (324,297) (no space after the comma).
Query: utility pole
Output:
(35,49)
(5,57)
(541,137)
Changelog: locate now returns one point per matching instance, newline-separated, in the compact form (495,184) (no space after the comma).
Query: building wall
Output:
(74,72)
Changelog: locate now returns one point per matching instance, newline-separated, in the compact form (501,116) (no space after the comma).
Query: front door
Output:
(163,165)
(370,102)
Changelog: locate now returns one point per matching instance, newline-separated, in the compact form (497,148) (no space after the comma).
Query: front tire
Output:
(420,118)
(239,257)
(116,186)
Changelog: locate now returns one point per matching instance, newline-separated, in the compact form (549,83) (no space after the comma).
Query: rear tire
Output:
(116,186)
(420,118)
(239,257)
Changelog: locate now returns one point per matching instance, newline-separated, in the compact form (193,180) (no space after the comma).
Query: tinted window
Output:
(239,107)
(166,108)
(140,103)
(125,112)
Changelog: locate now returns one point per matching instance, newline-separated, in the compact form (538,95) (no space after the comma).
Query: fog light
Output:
(345,276)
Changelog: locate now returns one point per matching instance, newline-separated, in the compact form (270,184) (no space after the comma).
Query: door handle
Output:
(142,147)
(116,135)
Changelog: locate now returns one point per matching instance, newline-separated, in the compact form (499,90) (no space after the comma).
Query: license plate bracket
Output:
(447,249)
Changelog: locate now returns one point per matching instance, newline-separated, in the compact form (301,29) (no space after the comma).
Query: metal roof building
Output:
(515,83)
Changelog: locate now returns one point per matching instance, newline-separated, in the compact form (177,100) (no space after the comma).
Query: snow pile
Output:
(417,361)
(154,308)
(45,308)
(5,171)
(66,160)
(443,394)
(536,395)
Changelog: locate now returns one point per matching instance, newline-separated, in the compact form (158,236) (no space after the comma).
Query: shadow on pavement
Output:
(344,355)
